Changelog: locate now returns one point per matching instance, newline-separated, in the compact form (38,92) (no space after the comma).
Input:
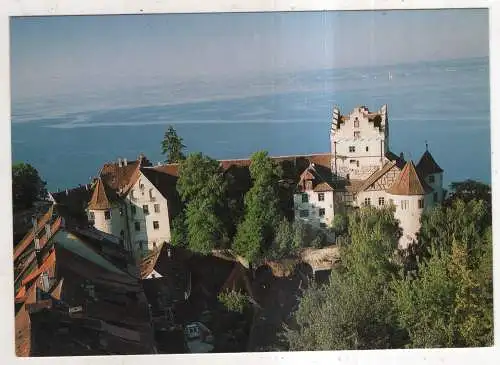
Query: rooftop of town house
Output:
(427,165)
(409,182)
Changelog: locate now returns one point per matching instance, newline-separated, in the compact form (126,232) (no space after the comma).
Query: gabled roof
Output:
(320,177)
(377,175)
(101,197)
(427,165)
(409,182)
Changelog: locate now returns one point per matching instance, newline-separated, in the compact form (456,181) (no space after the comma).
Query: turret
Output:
(104,209)
(411,196)
(432,174)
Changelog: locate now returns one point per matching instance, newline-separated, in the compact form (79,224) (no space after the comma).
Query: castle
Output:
(364,172)
(136,201)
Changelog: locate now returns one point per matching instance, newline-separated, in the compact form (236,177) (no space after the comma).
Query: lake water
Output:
(444,103)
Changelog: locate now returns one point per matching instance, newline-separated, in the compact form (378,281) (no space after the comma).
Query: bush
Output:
(233,301)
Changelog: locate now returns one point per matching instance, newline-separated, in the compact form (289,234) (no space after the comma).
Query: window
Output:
(404,204)
(367,201)
(121,211)
(420,203)
(357,135)
(435,197)
(107,215)
(321,212)
(309,185)
(321,197)
(352,149)
(132,196)
(305,198)
(157,208)
(322,224)
(366,148)
(356,123)
(137,226)
(133,209)
(145,209)
(353,161)
(304,213)
(156,225)
(431,179)
(391,202)
(151,196)
(92,216)
(381,200)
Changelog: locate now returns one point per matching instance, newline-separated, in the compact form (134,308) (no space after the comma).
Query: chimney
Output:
(125,163)
(45,281)
(47,232)
(119,162)
(34,222)
(38,253)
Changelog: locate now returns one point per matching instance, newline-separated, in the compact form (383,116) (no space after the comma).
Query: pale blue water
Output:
(446,103)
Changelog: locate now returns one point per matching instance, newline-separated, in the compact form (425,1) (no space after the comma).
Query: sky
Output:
(62,64)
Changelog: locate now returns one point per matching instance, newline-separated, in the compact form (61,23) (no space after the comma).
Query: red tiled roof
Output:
(29,237)
(99,200)
(47,265)
(427,165)
(409,182)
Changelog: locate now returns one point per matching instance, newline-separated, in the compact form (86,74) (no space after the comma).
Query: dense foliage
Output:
(27,186)
(172,146)
(255,232)
(201,186)
(444,300)
(354,310)
(233,301)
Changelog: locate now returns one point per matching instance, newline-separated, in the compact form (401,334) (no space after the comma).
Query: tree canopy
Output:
(201,186)
(353,311)
(27,186)
(172,146)
(255,233)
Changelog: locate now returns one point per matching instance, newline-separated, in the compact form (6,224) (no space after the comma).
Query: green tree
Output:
(449,303)
(179,230)
(283,240)
(354,310)
(340,224)
(201,186)
(233,301)
(27,186)
(255,233)
(172,146)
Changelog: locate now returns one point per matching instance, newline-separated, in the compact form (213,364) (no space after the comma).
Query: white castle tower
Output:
(359,142)
(410,195)
(105,211)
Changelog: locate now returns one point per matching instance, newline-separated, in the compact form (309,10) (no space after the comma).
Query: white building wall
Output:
(373,195)
(409,216)
(369,143)
(436,185)
(313,206)
(144,193)
(112,226)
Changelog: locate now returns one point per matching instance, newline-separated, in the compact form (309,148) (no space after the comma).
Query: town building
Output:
(77,292)
(137,202)
(364,172)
